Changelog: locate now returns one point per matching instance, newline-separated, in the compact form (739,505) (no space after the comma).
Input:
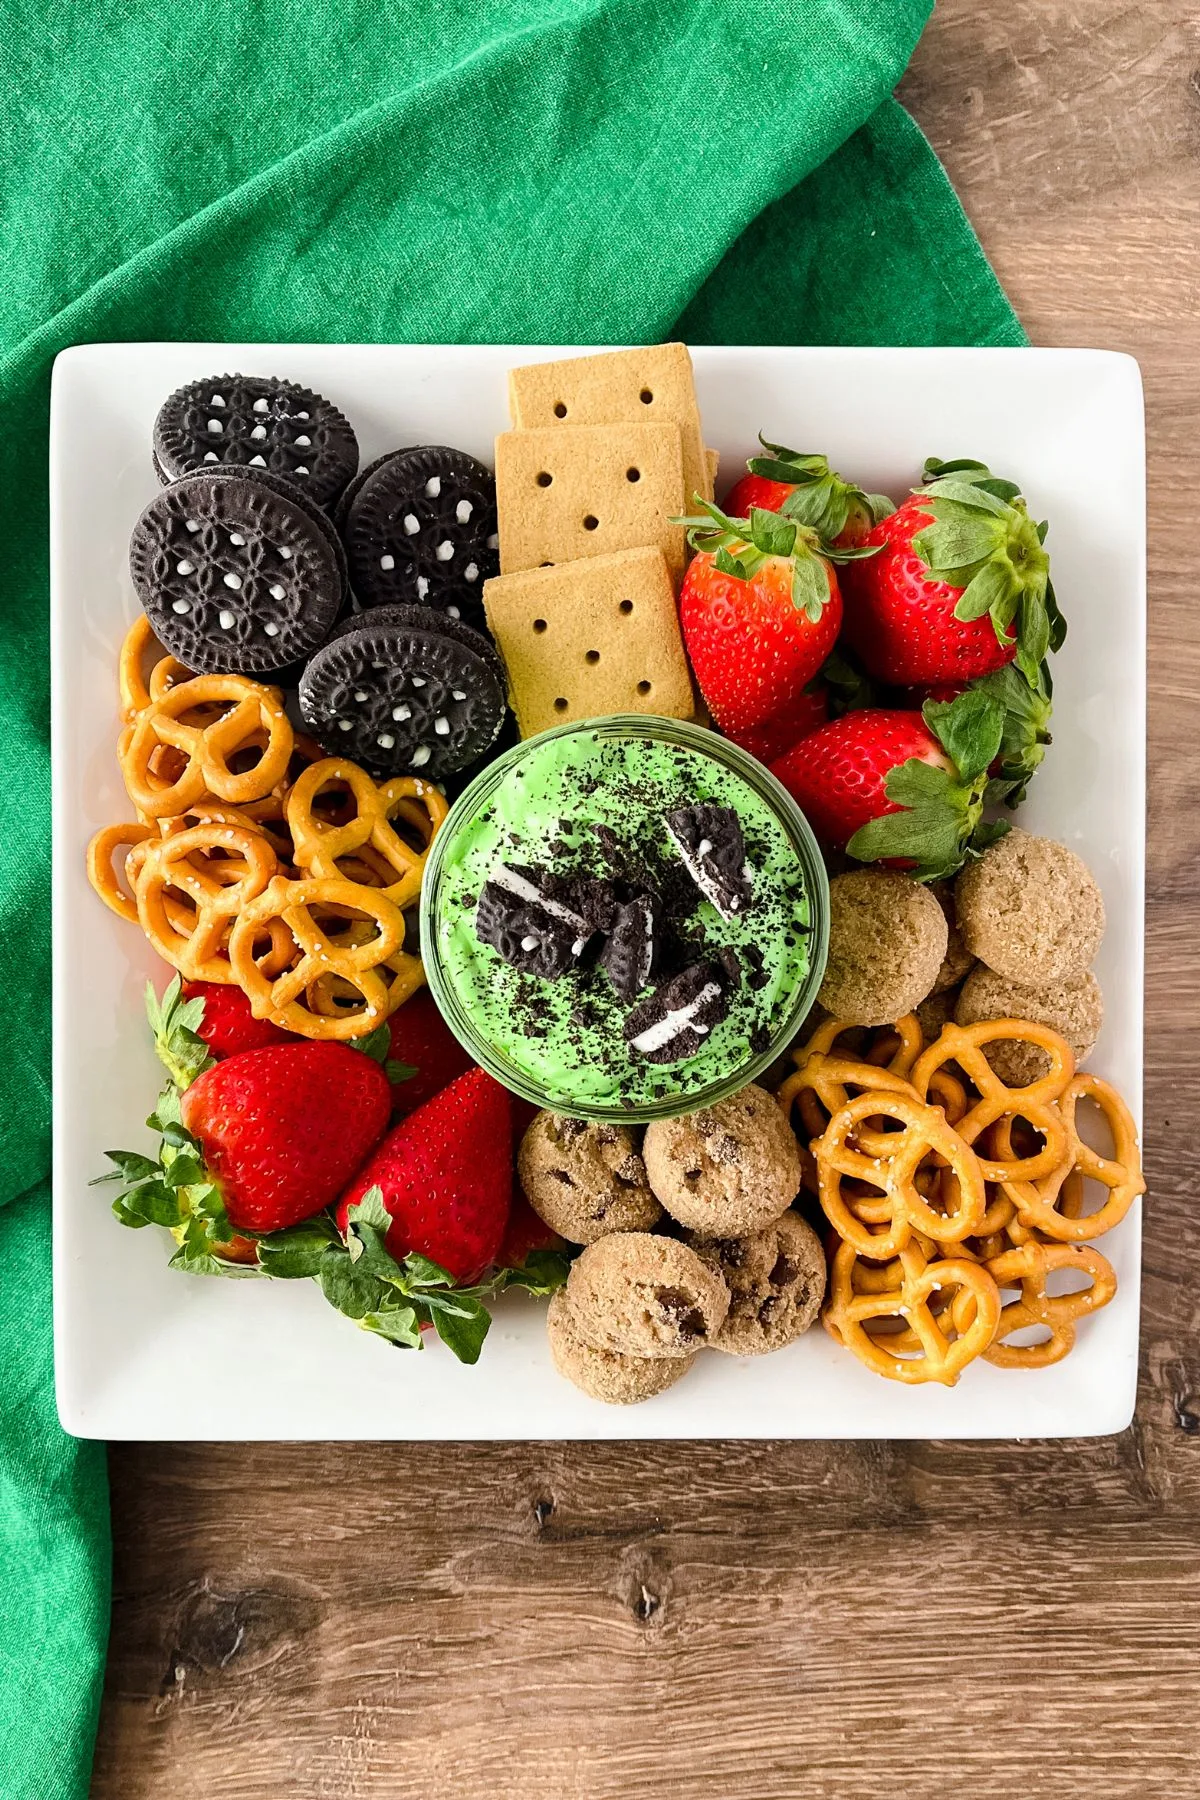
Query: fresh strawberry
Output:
(524,1234)
(960,586)
(280,1131)
(228,1026)
(422,1042)
(760,609)
(445,1174)
(767,741)
(1026,730)
(524,1112)
(802,486)
(905,788)
(256,1143)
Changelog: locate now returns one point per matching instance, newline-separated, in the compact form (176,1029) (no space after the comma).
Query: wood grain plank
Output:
(747,1622)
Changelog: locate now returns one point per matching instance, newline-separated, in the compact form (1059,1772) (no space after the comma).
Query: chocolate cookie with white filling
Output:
(709,839)
(673,1023)
(402,689)
(421,527)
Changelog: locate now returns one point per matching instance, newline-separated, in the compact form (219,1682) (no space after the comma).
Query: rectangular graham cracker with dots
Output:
(572,492)
(651,385)
(591,637)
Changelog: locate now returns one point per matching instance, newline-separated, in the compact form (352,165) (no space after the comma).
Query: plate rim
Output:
(83,360)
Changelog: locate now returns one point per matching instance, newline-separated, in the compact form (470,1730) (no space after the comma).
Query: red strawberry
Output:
(960,585)
(524,1234)
(281,1130)
(804,487)
(770,740)
(228,1026)
(900,787)
(445,1173)
(760,610)
(1026,724)
(423,1041)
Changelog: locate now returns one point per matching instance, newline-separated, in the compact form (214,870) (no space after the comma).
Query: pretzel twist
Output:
(102,874)
(191,887)
(1040,1204)
(1028,1267)
(946,1342)
(963,1044)
(377,975)
(879,1228)
(366,842)
(207,744)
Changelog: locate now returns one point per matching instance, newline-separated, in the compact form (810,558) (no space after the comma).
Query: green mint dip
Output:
(562,1039)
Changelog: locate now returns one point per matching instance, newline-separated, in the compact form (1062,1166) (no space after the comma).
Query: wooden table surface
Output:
(767,1621)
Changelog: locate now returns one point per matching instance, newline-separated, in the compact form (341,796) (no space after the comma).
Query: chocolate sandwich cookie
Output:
(527,926)
(339,512)
(260,422)
(631,950)
(709,839)
(673,1023)
(421,527)
(404,689)
(237,572)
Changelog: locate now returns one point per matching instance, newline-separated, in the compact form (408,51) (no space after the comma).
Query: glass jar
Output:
(465,985)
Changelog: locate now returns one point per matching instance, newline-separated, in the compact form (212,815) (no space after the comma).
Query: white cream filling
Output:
(674,1024)
(512,883)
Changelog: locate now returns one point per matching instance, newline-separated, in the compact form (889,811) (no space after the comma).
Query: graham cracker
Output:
(652,384)
(592,637)
(568,492)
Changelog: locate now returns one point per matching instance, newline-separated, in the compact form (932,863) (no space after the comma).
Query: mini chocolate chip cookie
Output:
(585,1179)
(727,1169)
(642,1295)
(606,1375)
(776,1281)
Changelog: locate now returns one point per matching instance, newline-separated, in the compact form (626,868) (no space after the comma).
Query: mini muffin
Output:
(585,1179)
(606,1374)
(1073,1008)
(1031,910)
(776,1282)
(888,939)
(645,1296)
(958,959)
(728,1169)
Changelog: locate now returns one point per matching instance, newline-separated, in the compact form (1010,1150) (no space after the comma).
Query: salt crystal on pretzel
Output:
(901,1208)
(377,973)
(208,745)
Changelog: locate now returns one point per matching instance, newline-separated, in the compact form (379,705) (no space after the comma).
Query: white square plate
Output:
(143,1352)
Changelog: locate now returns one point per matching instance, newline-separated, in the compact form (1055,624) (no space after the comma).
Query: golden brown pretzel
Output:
(208,745)
(101,873)
(366,842)
(900,1208)
(1053,1205)
(963,1044)
(378,974)
(216,870)
(946,1342)
(1028,1267)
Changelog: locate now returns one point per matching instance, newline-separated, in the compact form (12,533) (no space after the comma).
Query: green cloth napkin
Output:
(599,171)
